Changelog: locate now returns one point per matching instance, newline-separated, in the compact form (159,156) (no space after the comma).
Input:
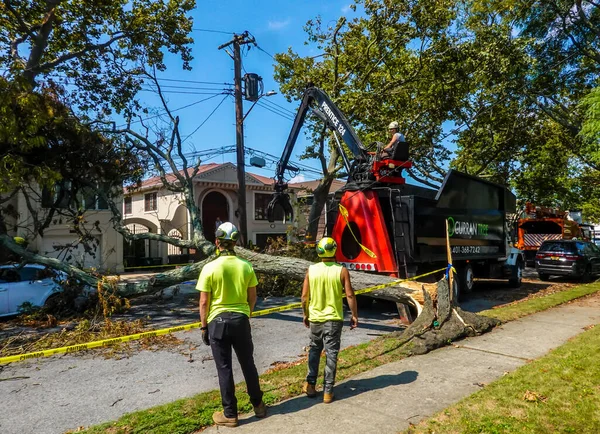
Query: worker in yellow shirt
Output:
(227,288)
(322,292)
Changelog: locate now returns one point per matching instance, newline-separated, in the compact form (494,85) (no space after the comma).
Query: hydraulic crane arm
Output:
(326,110)
(321,105)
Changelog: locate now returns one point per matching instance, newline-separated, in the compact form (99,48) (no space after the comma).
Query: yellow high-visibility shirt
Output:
(325,295)
(227,278)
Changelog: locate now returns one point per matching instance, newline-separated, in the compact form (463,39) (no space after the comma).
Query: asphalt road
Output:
(61,393)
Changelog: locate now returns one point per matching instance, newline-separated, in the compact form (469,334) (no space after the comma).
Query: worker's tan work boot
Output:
(220,419)
(260,410)
(309,389)
(328,397)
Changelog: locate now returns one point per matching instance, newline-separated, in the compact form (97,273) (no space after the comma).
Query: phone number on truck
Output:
(474,250)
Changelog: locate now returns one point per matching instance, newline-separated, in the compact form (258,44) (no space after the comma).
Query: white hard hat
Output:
(394,125)
(227,231)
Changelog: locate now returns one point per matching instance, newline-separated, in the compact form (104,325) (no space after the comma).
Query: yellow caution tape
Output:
(344,213)
(154,333)
(96,344)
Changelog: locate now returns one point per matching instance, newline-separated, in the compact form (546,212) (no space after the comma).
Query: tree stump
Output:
(442,321)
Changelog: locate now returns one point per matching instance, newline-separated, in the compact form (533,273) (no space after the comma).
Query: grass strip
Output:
(559,393)
(191,414)
(520,309)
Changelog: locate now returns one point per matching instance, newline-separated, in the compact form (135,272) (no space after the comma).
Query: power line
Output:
(213,31)
(167,86)
(195,81)
(266,100)
(173,111)
(206,120)
(265,52)
(272,110)
(182,92)
(258,46)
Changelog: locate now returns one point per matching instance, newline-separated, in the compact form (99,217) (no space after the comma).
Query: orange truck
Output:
(541,224)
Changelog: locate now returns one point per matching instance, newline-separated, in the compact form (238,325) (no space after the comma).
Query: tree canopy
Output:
(509,83)
(66,68)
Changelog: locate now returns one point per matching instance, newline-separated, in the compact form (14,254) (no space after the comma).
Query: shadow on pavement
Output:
(352,388)
(342,391)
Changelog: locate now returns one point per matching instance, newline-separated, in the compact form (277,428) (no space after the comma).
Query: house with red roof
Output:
(153,208)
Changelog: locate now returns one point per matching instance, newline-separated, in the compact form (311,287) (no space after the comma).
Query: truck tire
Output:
(586,277)
(466,279)
(516,275)
(455,290)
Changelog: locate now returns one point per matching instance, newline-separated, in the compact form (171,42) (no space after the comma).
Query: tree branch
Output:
(40,42)
(8,243)
(66,57)
(421,180)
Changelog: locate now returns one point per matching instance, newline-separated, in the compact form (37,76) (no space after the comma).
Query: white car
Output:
(31,283)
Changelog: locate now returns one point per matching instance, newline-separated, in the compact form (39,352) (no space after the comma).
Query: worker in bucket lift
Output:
(322,293)
(396,137)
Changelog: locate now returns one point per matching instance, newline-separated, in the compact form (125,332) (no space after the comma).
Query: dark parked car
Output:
(568,258)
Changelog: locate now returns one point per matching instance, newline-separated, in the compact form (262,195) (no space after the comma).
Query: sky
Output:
(210,124)
(276,26)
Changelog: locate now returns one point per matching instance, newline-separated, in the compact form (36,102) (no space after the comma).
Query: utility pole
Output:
(237,42)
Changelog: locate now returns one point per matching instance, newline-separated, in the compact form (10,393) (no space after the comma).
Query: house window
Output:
(127,205)
(261,204)
(63,196)
(90,200)
(150,203)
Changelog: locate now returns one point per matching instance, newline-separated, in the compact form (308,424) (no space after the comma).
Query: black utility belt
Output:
(229,315)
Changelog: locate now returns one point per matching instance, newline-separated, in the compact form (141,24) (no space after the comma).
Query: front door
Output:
(214,208)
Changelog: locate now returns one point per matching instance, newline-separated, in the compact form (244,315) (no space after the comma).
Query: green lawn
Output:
(559,393)
(191,414)
(537,304)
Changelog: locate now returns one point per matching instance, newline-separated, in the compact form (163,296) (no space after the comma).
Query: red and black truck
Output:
(384,225)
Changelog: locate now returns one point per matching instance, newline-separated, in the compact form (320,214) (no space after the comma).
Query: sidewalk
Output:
(388,398)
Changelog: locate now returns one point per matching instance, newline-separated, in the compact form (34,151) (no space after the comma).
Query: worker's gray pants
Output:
(326,334)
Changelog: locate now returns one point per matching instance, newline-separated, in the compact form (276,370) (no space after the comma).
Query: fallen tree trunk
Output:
(295,269)
(440,319)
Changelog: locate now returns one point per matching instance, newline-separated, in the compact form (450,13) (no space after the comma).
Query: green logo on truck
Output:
(457,227)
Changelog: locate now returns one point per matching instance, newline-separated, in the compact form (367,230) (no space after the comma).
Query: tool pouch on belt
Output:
(218,328)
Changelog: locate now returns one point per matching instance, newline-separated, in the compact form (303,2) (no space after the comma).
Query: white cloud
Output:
(297,178)
(278,25)
(346,9)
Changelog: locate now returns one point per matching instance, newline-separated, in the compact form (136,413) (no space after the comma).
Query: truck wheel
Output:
(455,290)
(587,275)
(516,275)
(466,279)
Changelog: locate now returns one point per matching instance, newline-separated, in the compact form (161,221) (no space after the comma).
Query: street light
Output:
(269,93)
